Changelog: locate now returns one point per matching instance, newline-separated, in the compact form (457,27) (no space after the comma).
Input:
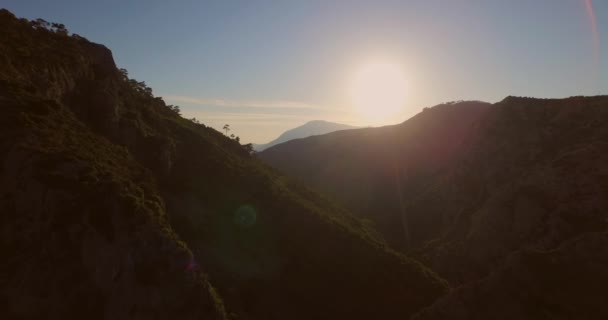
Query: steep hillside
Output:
(116,207)
(526,178)
(84,232)
(311,128)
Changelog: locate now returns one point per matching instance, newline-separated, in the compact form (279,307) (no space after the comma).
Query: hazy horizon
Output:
(267,67)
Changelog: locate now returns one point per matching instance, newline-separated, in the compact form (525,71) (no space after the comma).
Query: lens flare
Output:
(245,216)
(595,35)
(594,30)
(192,266)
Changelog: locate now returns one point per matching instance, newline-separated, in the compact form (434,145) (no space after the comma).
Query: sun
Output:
(378,91)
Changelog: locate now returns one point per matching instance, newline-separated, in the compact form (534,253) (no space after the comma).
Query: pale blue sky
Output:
(267,66)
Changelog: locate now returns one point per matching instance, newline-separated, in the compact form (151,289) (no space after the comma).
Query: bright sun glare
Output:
(378,91)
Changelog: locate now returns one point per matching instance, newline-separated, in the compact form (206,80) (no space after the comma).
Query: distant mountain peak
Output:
(319,122)
(310,128)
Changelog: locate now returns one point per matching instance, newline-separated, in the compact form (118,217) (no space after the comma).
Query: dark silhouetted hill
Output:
(311,128)
(363,168)
(115,207)
(503,199)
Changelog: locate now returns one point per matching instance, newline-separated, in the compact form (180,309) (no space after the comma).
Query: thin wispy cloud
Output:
(261,120)
(241,103)
(241,116)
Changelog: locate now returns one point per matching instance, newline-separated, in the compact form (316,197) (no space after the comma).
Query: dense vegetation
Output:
(114,206)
